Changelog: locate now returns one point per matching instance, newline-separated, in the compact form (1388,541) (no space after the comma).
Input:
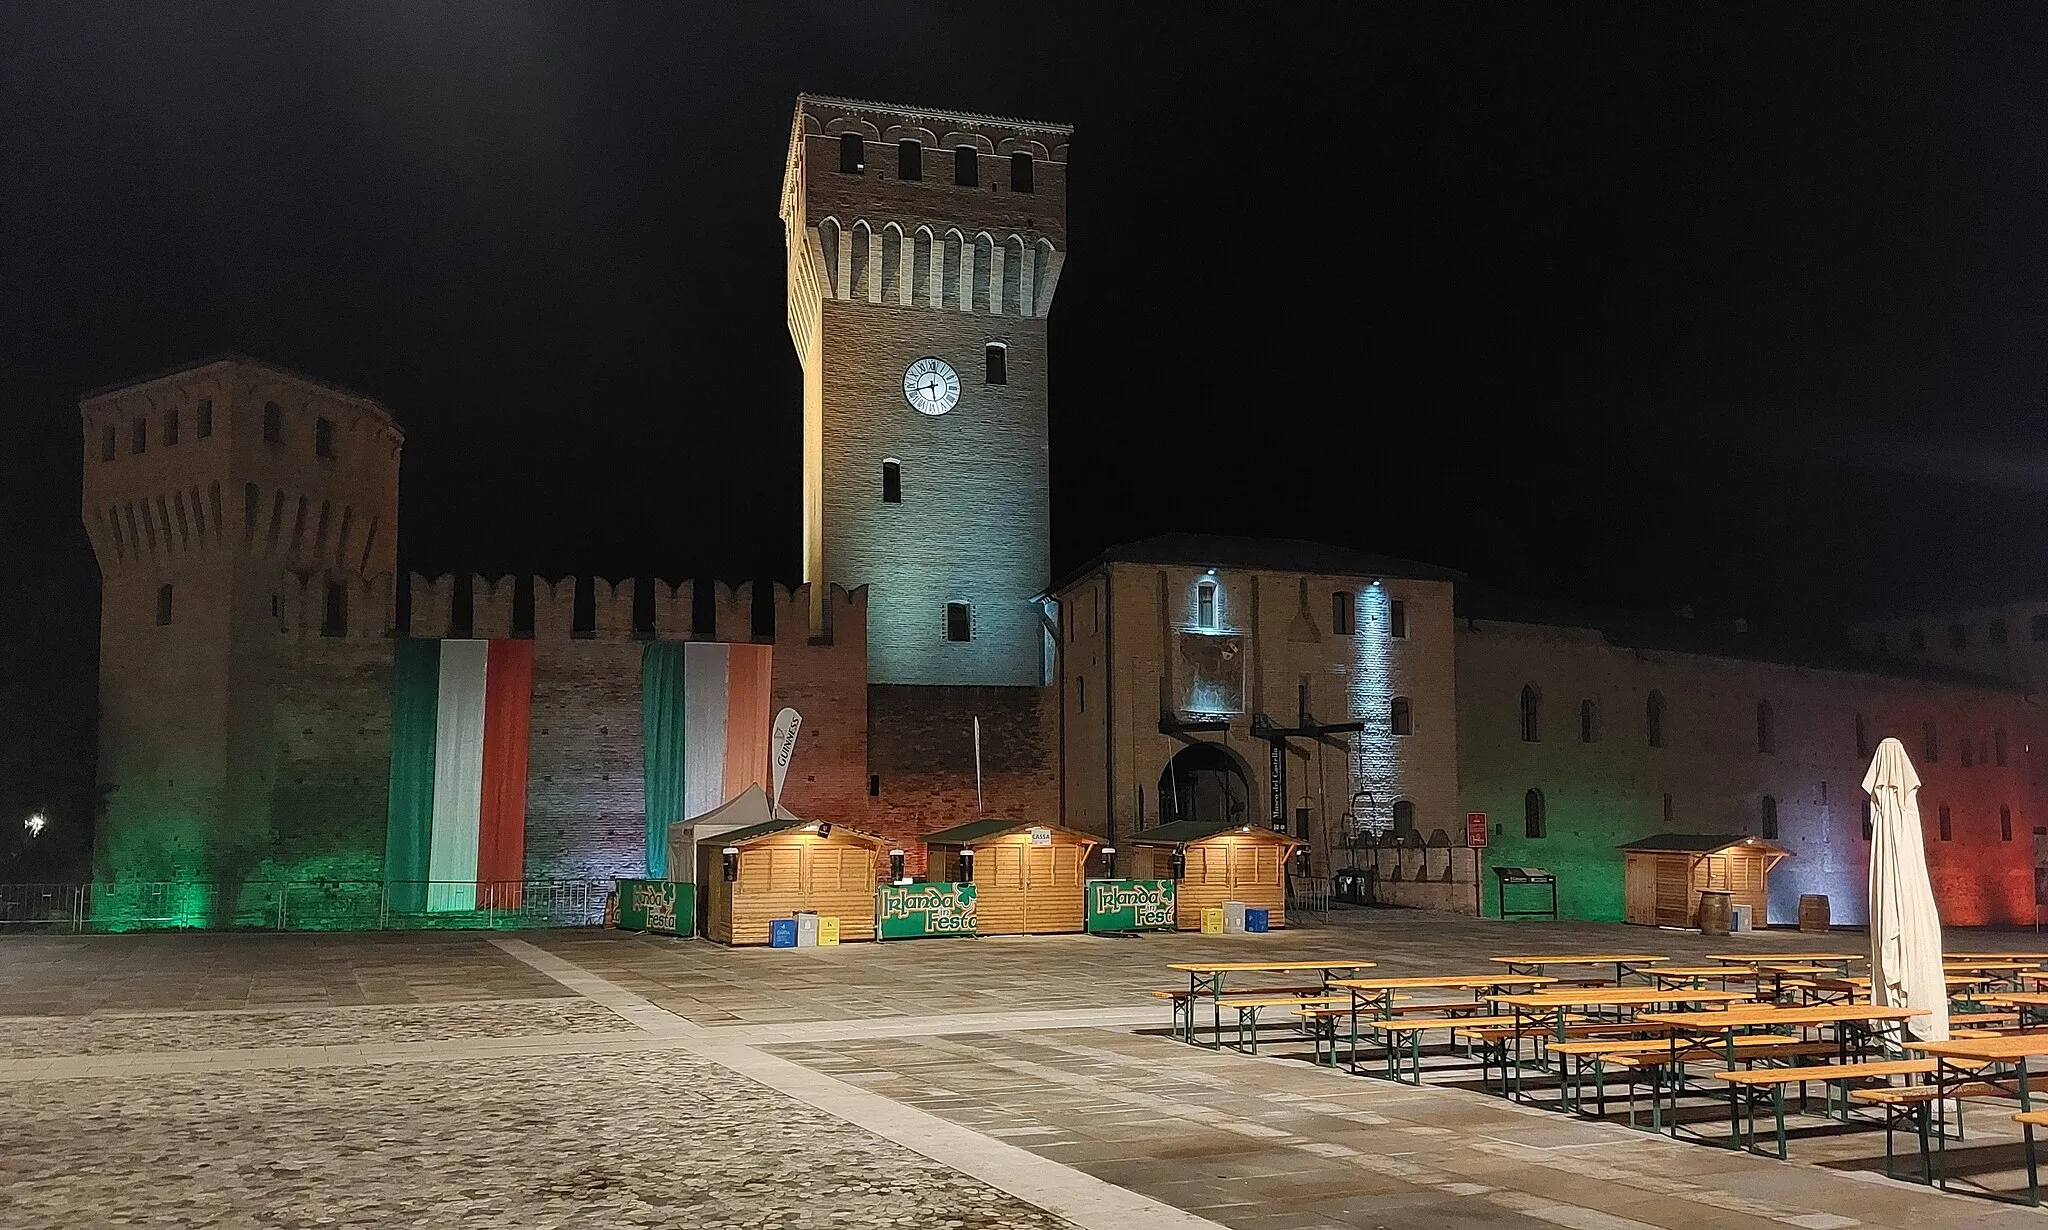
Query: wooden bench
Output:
(1182,1002)
(1654,1055)
(1487,1028)
(1248,1008)
(1921,1106)
(1750,1081)
(2028,1121)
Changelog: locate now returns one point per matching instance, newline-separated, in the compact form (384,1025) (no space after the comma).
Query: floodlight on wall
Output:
(896,867)
(1177,863)
(967,865)
(824,830)
(35,825)
(1109,862)
(732,863)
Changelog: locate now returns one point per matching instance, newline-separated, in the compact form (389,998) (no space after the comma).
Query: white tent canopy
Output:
(1905,929)
(744,810)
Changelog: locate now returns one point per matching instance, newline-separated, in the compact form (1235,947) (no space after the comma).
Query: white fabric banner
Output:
(458,776)
(704,715)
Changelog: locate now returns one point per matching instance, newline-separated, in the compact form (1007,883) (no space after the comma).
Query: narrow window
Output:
(909,160)
(1397,619)
(2005,823)
(203,427)
(163,606)
(996,363)
(1916,640)
(1342,613)
(1996,632)
(1205,606)
(1653,718)
(273,422)
(1667,811)
(852,153)
(1020,172)
(276,606)
(967,167)
(170,426)
(1998,748)
(1080,694)
(334,619)
(1589,722)
(1948,828)
(959,622)
(1766,728)
(1534,822)
(1958,637)
(138,436)
(2037,627)
(1770,818)
(1403,716)
(107,444)
(1866,820)
(892,481)
(323,438)
(1862,739)
(1532,714)
(1930,746)
(874,785)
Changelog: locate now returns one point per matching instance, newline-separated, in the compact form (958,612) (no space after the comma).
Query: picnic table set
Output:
(1744,1029)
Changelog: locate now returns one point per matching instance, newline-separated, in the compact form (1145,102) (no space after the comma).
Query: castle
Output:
(278,704)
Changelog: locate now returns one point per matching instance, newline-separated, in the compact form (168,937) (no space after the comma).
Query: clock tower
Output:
(923,251)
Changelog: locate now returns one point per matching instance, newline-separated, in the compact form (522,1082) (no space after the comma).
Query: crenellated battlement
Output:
(615,610)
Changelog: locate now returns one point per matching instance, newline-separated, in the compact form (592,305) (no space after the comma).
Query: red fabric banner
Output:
(508,716)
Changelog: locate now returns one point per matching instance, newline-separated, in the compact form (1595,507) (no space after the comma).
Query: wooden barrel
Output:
(1716,911)
(1813,912)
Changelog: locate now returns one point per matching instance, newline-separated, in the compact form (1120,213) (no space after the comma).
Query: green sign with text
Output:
(663,907)
(1130,905)
(910,911)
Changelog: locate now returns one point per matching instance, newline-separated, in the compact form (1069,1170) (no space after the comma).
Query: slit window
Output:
(892,482)
(108,443)
(2005,823)
(323,438)
(909,160)
(1532,714)
(1769,818)
(1205,606)
(967,167)
(996,360)
(334,617)
(1653,718)
(170,426)
(1998,747)
(1020,173)
(852,153)
(1080,694)
(1397,620)
(1947,824)
(1930,743)
(1866,820)
(163,606)
(202,424)
(138,436)
(1589,722)
(1766,728)
(959,621)
(1342,613)
(1402,716)
(273,422)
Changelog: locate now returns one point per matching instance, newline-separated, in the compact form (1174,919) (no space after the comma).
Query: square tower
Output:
(924,248)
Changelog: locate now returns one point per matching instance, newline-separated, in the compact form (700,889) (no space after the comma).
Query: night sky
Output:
(1741,306)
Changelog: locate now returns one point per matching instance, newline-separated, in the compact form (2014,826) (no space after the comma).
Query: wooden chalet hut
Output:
(1663,876)
(1029,879)
(1222,862)
(785,865)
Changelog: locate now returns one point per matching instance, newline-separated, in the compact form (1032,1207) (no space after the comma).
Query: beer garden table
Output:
(1382,992)
(1556,1004)
(1210,975)
(1624,963)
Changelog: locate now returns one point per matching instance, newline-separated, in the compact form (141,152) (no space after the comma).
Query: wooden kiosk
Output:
(1029,879)
(785,865)
(1664,875)
(1223,862)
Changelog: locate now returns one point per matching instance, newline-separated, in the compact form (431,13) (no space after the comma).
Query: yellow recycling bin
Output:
(828,929)
(1212,921)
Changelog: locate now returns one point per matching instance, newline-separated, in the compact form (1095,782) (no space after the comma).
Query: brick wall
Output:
(921,748)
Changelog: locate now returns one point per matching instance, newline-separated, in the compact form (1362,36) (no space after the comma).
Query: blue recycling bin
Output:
(782,933)
(1256,919)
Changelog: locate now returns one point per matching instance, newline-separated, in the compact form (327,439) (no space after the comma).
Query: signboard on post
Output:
(913,911)
(1130,905)
(1276,782)
(662,907)
(1475,829)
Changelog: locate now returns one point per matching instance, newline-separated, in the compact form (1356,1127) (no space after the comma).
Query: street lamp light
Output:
(35,825)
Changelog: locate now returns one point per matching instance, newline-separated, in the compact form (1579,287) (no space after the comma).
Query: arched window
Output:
(1205,606)
(1404,817)
(892,481)
(1770,818)
(852,153)
(1766,728)
(1862,739)
(1534,822)
(1930,746)
(1589,721)
(966,167)
(163,606)
(1402,716)
(1532,714)
(2005,823)
(1948,829)
(1998,748)
(1653,718)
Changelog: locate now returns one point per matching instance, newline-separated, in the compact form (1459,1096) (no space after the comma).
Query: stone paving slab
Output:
(50,1037)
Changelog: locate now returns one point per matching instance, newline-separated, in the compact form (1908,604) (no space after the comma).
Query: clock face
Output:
(931,386)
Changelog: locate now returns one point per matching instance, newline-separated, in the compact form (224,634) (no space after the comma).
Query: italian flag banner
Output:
(704,714)
(461,710)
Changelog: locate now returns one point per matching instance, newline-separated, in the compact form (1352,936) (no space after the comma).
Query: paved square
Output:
(591,1079)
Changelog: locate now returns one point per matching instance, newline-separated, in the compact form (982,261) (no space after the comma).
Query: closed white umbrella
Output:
(1905,929)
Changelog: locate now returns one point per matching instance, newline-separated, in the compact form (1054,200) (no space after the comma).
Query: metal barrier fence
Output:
(302,905)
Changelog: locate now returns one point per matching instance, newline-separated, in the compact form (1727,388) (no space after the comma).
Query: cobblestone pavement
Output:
(593,1079)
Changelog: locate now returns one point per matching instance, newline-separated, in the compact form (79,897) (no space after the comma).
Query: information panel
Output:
(1130,905)
(663,907)
(912,911)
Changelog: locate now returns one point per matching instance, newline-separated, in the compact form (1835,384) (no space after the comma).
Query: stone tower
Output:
(234,508)
(924,248)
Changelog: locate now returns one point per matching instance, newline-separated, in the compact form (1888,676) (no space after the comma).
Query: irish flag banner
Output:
(460,714)
(704,716)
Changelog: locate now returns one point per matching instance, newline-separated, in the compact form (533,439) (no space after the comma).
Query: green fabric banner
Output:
(660,906)
(409,819)
(661,725)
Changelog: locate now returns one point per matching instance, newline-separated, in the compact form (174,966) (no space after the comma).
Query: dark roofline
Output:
(933,113)
(1257,554)
(236,357)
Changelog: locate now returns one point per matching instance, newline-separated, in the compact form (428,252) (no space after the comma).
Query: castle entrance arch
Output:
(1205,781)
